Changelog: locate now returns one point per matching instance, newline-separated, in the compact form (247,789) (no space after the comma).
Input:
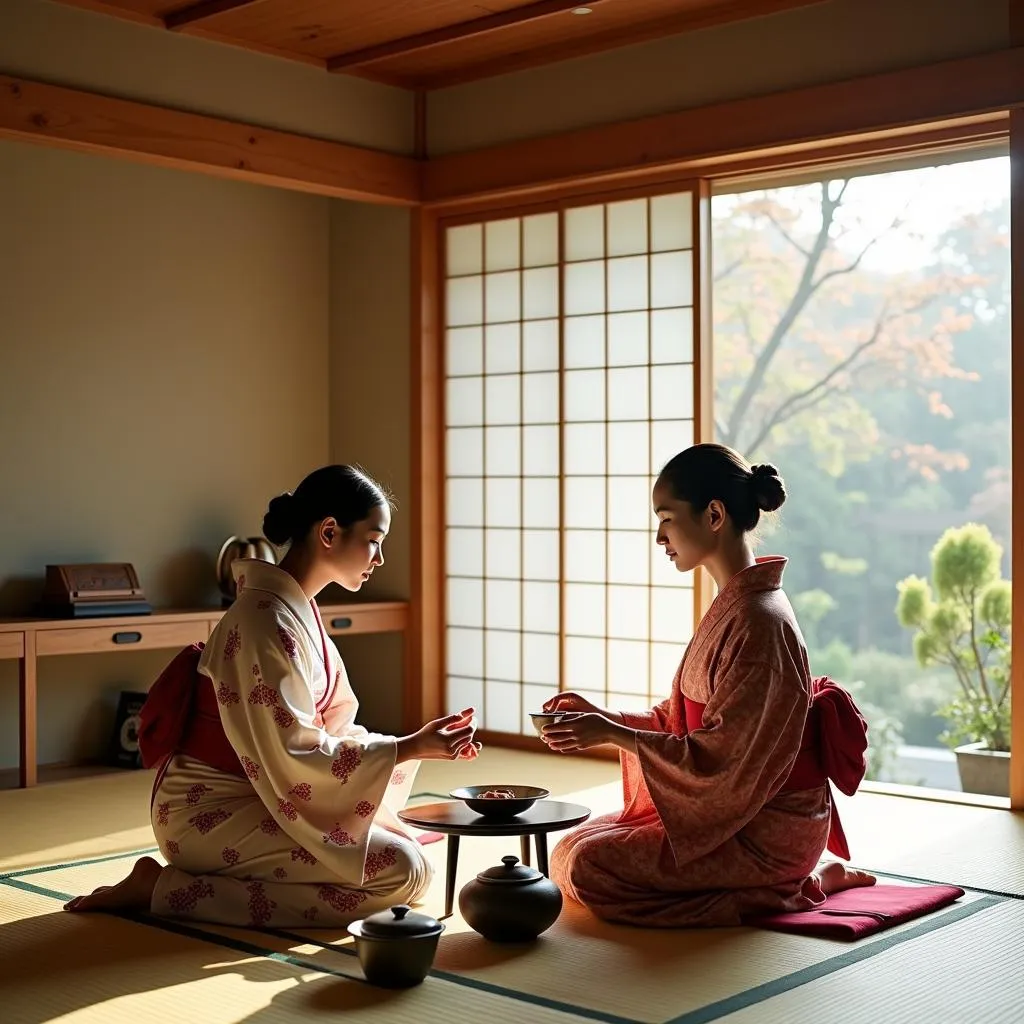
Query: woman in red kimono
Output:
(727,807)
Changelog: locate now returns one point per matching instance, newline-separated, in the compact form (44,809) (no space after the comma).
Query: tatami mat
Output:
(970,974)
(638,974)
(87,817)
(580,961)
(581,967)
(980,847)
(81,970)
(104,970)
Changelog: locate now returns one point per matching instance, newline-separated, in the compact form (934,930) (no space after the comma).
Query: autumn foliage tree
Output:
(802,322)
(861,341)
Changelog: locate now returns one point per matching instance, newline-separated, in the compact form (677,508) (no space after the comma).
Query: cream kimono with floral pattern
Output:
(311,835)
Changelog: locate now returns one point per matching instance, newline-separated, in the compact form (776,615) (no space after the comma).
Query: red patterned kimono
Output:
(727,808)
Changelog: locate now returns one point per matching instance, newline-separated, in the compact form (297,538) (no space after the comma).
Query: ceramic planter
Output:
(983,770)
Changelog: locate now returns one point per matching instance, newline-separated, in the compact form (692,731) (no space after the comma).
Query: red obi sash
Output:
(834,745)
(180,716)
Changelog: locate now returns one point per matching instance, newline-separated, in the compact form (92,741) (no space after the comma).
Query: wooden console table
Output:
(28,640)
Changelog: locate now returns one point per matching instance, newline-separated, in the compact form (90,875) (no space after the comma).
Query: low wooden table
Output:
(455,820)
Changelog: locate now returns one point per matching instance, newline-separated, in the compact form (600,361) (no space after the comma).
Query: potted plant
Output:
(962,619)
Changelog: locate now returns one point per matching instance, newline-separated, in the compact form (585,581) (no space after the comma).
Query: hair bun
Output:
(769,490)
(279,522)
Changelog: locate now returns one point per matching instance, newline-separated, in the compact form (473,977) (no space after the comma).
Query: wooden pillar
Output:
(1017,454)
(28,725)
(703,361)
(1017,427)
(424,697)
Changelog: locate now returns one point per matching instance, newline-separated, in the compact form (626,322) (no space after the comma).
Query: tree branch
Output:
(722,274)
(974,648)
(867,248)
(743,315)
(773,421)
(844,184)
(786,235)
(801,296)
(849,268)
(807,287)
(797,404)
(819,391)
(1006,687)
(958,671)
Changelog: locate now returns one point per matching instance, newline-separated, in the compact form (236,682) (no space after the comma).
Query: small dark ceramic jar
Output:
(510,903)
(396,947)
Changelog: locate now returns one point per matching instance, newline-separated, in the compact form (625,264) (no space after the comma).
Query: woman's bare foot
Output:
(836,876)
(831,878)
(132,893)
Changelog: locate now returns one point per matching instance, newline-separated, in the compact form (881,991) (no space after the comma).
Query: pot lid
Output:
(511,872)
(400,922)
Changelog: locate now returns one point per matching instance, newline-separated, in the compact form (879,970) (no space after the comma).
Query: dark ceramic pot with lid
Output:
(510,903)
(396,947)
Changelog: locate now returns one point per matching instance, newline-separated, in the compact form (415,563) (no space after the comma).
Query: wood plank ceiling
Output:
(429,44)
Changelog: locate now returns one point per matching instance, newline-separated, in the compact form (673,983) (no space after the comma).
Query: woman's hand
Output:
(444,739)
(580,732)
(571,702)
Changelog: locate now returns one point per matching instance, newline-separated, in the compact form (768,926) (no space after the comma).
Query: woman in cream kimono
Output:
(304,832)
(727,806)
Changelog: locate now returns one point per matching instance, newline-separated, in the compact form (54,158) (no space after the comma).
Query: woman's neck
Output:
(730,560)
(303,569)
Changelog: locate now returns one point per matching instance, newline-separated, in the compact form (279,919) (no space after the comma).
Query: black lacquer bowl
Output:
(522,799)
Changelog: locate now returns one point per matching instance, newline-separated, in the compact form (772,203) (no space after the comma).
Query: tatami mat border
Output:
(702,1015)
(150,850)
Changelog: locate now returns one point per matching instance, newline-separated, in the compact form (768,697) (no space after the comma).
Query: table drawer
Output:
(12,645)
(344,621)
(132,637)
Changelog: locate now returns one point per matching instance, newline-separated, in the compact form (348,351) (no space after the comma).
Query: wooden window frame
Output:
(425,696)
(699,189)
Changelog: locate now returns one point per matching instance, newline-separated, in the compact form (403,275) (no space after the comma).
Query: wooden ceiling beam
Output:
(201,11)
(87,122)
(455,33)
(114,11)
(886,102)
(678,23)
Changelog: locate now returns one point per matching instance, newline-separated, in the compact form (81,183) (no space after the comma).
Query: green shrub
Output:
(961,619)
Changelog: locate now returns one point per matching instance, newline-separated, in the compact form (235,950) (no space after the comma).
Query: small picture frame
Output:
(124,743)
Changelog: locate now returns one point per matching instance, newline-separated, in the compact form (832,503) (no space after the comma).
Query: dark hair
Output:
(344,492)
(700,474)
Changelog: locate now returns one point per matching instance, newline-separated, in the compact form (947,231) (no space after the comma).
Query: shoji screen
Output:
(569,382)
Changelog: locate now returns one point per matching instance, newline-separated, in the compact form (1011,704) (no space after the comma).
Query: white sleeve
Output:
(322,790)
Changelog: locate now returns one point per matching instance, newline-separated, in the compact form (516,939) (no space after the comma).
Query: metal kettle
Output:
(240,547)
